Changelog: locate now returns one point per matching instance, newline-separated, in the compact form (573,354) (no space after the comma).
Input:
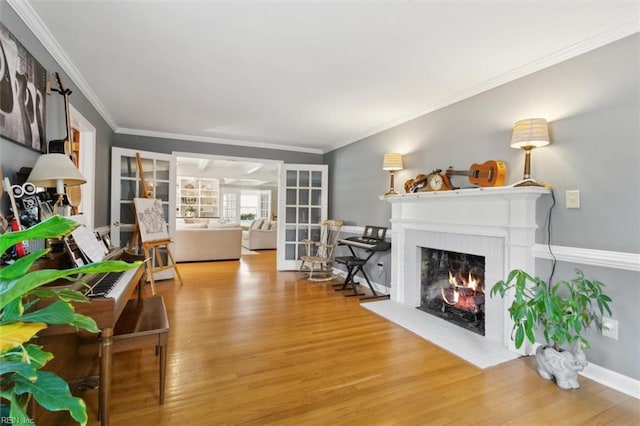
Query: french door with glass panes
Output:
(302,206)
(159,173)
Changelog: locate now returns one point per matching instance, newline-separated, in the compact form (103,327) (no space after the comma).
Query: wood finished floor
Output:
(250,345)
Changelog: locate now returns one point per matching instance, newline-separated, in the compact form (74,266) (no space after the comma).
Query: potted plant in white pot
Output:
(22,317)
(562,311)
(190,211)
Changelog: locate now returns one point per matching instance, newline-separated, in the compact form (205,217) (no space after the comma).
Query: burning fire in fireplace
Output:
(452,287)
(465,293)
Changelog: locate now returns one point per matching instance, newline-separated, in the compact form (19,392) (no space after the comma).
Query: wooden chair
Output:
(318,256)
(143,324)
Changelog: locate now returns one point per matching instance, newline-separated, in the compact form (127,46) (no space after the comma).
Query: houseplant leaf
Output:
(27,371)
(60,312)
(55,226)
(53,393)
(21,266)
(12,335)
(64,294)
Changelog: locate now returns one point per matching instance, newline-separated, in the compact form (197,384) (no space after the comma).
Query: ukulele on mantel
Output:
(489,173)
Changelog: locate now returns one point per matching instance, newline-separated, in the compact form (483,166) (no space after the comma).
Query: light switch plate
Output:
(610,328)
(572,199)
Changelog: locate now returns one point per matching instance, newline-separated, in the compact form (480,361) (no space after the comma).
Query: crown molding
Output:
(220,141)
(42,33)
(599,40)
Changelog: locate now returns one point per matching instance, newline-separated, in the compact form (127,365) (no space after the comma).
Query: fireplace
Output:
(495,227)
(452,287)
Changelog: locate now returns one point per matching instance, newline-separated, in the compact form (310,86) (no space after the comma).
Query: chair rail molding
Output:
(602,258)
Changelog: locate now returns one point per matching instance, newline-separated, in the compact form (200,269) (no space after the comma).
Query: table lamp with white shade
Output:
(392,162)
(529,134)
(55,171)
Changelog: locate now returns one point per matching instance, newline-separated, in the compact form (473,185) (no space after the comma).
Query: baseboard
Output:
(607,377)
(611,379)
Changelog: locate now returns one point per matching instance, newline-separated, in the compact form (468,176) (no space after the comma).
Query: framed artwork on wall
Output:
(23,85)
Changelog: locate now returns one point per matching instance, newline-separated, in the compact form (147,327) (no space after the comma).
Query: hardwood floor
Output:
(250,345)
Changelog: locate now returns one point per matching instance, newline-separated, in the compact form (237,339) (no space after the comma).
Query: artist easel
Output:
(151,247)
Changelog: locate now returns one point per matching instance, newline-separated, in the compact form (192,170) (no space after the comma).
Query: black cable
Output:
(553,257)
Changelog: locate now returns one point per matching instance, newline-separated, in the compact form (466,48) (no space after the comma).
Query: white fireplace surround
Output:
(497,223)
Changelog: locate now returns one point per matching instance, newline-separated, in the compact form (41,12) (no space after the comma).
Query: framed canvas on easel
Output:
(154,236)
(150,219)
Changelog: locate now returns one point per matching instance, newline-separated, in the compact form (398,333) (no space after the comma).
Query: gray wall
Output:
(593,105)
(14,156)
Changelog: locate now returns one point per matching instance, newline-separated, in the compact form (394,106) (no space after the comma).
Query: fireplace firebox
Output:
(452,287)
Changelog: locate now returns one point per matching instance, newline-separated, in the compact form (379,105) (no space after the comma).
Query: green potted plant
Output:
(562,311)
(22,317)
(190,211)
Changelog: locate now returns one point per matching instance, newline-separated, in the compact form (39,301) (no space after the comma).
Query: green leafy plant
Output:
(27,308)
(562,311)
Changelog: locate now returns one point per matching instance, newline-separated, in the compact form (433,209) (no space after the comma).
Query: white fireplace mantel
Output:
(497,223)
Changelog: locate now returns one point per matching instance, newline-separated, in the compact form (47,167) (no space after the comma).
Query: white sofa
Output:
(262,234)
(207,241)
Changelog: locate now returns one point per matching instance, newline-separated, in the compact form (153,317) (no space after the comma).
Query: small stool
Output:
(353,264)
(142,324)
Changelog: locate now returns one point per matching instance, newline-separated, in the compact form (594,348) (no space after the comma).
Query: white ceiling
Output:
(307,75)
(232,172)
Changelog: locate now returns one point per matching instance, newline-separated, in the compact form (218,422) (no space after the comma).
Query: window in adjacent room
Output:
(229,207)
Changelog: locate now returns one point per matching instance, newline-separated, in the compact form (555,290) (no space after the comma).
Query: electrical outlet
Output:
(610,328)
(572,199)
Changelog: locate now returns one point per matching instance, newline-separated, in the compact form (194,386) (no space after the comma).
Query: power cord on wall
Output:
(553,257)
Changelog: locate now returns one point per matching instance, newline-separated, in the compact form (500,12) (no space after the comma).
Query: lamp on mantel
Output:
(392,162)
(529,134)
(55,171)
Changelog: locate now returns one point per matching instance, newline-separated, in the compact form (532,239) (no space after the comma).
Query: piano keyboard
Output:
(366,243)
(111,284)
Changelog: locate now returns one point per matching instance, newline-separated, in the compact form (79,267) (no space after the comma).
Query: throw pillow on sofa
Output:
(256,224)
(266,225)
